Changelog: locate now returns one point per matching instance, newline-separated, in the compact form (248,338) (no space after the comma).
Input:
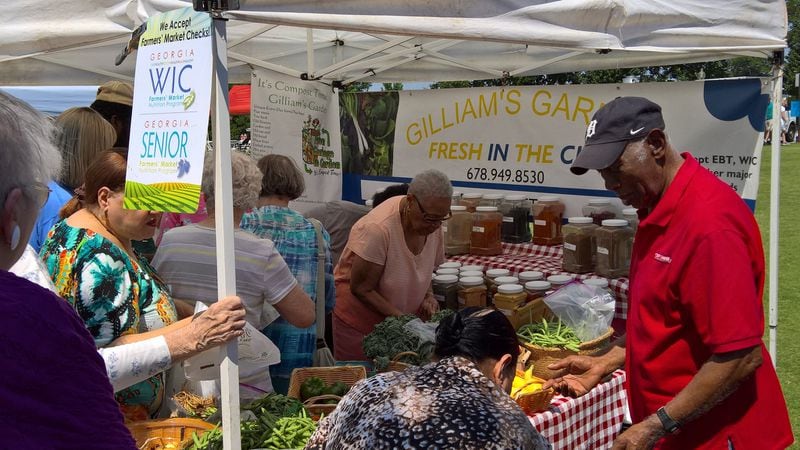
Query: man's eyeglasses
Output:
(38,192)
(430,217)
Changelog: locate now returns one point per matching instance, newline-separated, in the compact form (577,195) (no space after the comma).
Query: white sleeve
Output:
(131,363)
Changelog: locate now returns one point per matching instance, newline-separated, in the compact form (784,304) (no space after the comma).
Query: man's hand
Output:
(579,375)
(641,436)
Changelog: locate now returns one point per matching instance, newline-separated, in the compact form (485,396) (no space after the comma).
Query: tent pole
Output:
(223,207)
(774,203)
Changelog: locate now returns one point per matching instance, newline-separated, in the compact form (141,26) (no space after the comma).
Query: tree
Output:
(792,65)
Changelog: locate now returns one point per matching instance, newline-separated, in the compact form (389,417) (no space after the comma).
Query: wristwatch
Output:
(670,425)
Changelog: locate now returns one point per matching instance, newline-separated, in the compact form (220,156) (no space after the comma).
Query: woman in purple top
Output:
(54,390)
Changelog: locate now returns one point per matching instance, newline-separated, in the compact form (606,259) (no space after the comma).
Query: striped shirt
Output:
(296,240)
(186,260)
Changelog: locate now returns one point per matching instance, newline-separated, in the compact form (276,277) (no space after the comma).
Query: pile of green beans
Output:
(266,432)
(550,334)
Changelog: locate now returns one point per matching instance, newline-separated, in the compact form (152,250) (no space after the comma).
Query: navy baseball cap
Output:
(618,122)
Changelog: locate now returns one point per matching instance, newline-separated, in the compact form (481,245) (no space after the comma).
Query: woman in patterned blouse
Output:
(119,296)
(460,401)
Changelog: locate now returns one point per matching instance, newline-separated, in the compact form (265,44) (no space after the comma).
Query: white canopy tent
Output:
(76,42)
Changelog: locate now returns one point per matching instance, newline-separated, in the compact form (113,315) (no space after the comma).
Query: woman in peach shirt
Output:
(385,269)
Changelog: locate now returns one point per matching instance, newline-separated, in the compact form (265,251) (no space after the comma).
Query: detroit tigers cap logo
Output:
(591,129)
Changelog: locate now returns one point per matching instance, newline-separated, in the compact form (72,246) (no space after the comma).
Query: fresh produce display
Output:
(314,387)
(267,430)
(277,405)
(549,334)
(194,405)
(439,315)
(390,338)
(525,383)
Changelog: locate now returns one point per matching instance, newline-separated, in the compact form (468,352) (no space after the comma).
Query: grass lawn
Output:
(788,350)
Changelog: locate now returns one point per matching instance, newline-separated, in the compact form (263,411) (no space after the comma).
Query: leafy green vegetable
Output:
(312,387)
(390,338)
(439,315)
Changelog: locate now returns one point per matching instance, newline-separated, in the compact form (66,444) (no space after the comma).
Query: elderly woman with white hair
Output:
(385,269)
(54,388)
(186,260)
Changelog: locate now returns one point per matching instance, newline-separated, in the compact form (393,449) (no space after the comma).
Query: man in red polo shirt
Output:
(699,375)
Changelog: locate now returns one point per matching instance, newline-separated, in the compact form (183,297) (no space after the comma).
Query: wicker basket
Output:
(167,433)
(348,375)
(544,356)
(395,365)
(535,402)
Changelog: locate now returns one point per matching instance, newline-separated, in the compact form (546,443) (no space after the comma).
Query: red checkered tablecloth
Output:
(589,422)
(546,259)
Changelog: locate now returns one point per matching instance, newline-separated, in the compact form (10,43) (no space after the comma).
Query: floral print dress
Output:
(115,295)
(443,405)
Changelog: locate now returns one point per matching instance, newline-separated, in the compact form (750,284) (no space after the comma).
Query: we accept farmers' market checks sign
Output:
(172,96)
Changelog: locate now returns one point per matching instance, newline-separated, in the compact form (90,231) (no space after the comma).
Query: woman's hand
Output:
(429,307)
(223,321)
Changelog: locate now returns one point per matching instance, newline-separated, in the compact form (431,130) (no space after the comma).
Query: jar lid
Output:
(494,273)
(471,281)
(599,201)
(450,265)
(580,220)
(447,271)
(486,208)
(630,212)
(538,285)
(445,279)
(368,203)
(506,280)
(515,197)
(614,223)
(548,198)
(530,275)
(458,208)
(472,195)
(600,282)
(559,279)
(509,289)
(471,273)
(492,196)
(476,267)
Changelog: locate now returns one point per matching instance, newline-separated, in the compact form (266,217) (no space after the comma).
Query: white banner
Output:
(299,119)
(523,139)
(171,100)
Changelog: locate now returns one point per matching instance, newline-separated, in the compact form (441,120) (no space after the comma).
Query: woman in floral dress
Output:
(119,296)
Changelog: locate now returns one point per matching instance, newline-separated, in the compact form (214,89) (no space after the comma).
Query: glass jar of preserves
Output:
(492,200)
(509,297)
(368,203)
(445,291)
(472,267)
(559,280)
(458,231)
(448,271)
(530,275)
(548,213)
(471,200)
(455,199)
(632,216)
(537,289)
(579,245)
(516,210)
(485,237)
(600,209)
(614,244)
(471,292)
(471,273)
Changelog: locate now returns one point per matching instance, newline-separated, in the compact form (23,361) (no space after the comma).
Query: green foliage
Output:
(788,345)
(792,65)
(239,125)
(390,338)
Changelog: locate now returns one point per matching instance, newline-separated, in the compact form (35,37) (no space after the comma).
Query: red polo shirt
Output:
(697,279)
